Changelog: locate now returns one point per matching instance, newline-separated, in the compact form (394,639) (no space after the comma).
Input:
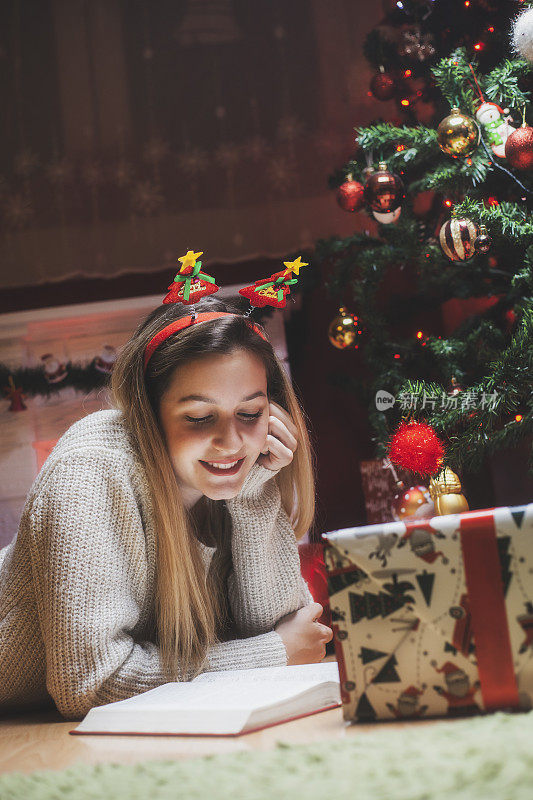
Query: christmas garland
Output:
(33,381)
(52,377)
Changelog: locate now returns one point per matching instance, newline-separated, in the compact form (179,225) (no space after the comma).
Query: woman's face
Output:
(214,417)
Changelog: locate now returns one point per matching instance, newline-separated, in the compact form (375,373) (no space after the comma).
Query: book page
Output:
(184,696)
(325,671)
(209,708)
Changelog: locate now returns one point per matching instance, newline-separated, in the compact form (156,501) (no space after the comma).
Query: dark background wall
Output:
(134,128)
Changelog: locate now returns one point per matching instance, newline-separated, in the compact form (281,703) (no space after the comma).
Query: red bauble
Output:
(350,195)
(519,148)
(412,503)
(384,191)
(416,446)
(383,86)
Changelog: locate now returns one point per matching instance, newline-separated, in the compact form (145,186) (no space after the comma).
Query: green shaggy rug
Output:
(476,759)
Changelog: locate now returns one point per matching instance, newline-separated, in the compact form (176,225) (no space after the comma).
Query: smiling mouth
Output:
(220,468)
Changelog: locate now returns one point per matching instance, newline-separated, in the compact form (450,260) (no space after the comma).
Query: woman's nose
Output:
(227,438)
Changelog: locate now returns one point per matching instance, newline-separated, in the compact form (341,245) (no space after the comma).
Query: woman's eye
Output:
(251,417)
(209,417)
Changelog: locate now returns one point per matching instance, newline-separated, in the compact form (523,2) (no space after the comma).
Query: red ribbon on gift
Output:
(487,606)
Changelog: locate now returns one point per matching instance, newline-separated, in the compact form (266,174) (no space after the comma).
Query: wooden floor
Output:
(42,741)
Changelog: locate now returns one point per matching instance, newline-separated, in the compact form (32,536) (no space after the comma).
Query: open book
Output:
(221,703)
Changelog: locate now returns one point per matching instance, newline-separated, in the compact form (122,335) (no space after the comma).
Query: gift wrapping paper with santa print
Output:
(434,617)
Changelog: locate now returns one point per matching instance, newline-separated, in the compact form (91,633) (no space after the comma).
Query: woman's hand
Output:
(281,441)
(304,637)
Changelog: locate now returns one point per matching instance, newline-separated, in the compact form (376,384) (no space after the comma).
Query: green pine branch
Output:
(455,80)
(501,85)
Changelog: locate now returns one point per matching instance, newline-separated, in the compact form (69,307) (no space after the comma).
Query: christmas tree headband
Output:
(191,284)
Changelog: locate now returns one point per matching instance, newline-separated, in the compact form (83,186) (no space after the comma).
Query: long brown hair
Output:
(193,613)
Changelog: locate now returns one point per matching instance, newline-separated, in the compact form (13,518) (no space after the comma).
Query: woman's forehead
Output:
(240,374)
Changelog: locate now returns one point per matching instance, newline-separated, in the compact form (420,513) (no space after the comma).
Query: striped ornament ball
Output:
(458,238)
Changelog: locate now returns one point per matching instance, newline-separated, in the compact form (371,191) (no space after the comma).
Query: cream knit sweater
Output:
(77,584)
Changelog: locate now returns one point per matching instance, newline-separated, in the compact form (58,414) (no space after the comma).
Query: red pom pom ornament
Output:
(416,446)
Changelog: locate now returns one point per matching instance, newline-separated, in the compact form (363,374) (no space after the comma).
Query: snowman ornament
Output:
(496,127)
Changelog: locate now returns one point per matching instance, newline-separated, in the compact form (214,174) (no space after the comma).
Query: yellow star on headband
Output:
(189,259)
(295,266)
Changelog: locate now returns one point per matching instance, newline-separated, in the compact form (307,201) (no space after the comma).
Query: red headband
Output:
(186,322)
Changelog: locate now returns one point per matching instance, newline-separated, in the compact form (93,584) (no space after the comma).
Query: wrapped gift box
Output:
(434,617)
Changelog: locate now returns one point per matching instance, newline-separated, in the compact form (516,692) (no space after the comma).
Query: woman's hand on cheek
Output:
(281,441)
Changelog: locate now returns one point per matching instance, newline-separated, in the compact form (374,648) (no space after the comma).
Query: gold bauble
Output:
(344,330)
(458,134)
(446,492)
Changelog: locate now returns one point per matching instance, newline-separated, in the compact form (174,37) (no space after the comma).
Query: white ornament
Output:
(385,218)
(54,371)
(497,128)
(106,360)
(523,34)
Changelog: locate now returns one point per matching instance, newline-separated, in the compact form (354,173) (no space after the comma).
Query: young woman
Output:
(159,539)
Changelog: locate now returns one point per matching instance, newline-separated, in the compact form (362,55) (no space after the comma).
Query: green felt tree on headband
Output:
(190,284)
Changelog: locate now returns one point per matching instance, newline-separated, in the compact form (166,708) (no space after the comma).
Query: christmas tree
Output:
(452,199)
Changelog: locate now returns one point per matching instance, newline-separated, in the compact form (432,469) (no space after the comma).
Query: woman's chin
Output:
(224,493)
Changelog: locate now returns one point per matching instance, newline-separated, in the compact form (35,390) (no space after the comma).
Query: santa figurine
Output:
(496,127)
(106,360)
(54,371)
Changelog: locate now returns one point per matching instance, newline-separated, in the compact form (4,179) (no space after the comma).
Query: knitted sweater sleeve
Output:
(266,583)
(89,565)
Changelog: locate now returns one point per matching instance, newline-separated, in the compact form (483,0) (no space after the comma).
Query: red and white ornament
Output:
(387,217)
(54,371)
(412,503)
(384,191)
(106,360)
(496,127)
(457,238)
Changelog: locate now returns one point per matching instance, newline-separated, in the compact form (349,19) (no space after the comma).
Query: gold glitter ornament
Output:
(344,330)
(458,134)
(458,238)
(446,492)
